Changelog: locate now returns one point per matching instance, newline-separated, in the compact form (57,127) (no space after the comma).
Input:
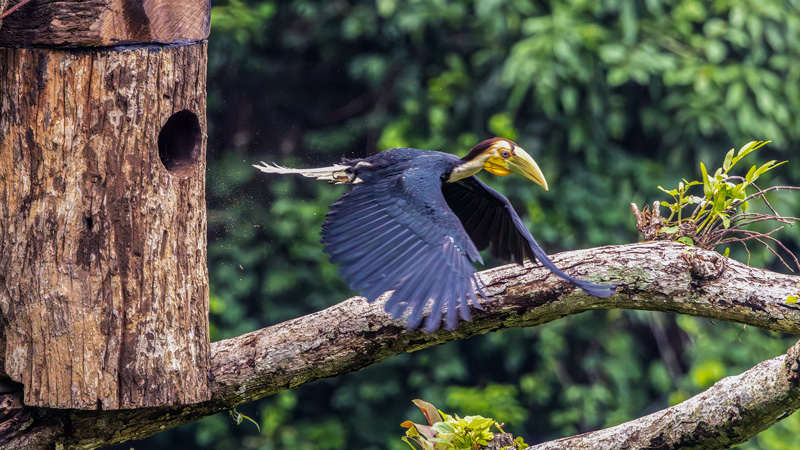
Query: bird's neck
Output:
(467,169)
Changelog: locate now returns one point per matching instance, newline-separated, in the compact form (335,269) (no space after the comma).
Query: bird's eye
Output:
(505,154)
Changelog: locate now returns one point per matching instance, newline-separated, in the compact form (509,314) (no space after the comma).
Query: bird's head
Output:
(500,157)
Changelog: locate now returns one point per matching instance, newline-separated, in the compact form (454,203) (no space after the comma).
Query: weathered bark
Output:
(500,441)
(81,23)
(103,281)
(353,334)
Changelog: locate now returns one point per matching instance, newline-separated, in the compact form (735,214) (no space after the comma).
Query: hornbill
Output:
(415,220)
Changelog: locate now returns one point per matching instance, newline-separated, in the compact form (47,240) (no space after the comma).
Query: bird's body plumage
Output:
(414,223)
(395,231)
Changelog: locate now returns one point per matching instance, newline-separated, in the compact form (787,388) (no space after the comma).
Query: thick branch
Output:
(351,335)
(728,413)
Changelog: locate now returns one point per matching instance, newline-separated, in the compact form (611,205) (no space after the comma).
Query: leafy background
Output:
(611,97)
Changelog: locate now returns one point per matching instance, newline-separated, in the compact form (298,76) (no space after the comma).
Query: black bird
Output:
(415,220)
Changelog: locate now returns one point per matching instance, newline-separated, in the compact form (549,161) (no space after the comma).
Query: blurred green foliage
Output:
(611,97)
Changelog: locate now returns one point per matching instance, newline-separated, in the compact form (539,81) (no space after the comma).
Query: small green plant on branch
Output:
(720,215)
(239,418)
(446,432)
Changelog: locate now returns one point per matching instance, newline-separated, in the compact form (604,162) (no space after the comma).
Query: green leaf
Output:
(750,174)
(715,51)
(727,252)
(478,422)
(735,95)
(406,440)
(719,203)
(612,53)
(738,191)
(707,189)
(669,230)
(765,167)
(412,428)
(727,163)
(443,427)
(746,148)
(726,222)
(686,240)
(673,192)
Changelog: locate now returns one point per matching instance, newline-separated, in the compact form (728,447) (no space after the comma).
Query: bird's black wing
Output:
(489,218)
(397,233)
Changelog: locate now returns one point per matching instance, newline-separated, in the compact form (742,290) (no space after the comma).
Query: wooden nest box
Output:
(103,278)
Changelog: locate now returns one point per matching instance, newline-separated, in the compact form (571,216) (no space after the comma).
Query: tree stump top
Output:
(101,23)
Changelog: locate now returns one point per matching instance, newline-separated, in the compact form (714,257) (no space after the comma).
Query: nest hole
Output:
(179,143)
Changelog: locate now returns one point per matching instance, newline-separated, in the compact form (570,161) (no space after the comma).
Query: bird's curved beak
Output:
(521,163)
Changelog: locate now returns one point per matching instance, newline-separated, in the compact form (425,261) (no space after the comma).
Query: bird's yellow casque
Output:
(414,223)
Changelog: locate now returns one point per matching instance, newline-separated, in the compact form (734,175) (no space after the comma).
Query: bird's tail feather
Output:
(336,174)
(597,290)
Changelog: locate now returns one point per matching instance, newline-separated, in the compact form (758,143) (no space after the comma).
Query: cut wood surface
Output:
(103,279)
(81,23)
(353,334)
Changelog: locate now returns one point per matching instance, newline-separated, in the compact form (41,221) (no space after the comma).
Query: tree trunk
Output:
(103,279)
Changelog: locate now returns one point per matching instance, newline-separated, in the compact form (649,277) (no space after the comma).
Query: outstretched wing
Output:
(397,233)
(489,218)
